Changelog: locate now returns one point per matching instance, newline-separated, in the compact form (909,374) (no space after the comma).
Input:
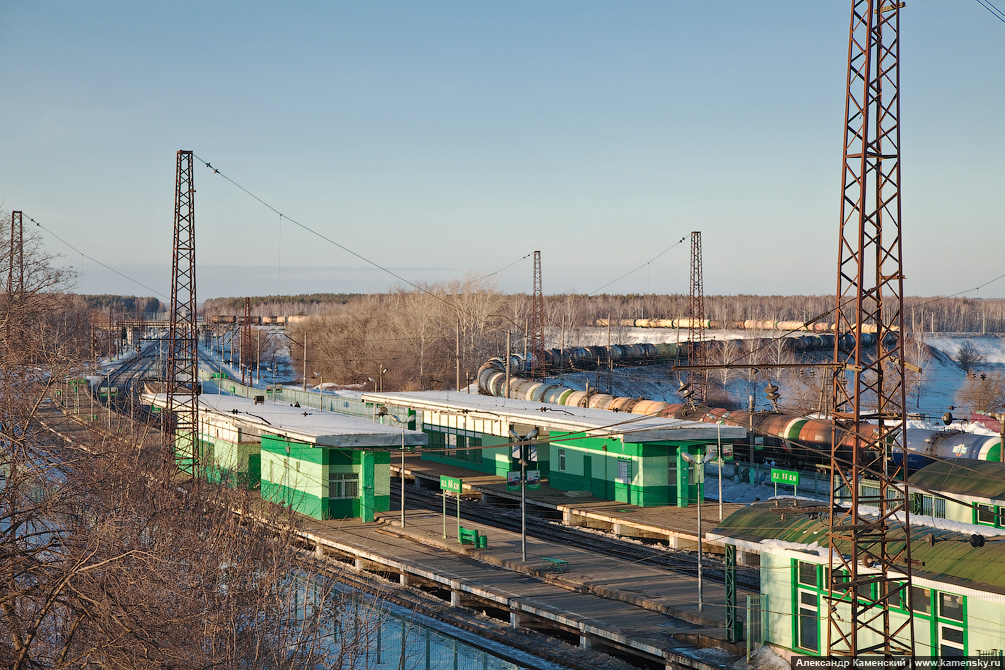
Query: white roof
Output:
(304,424)
(598,422)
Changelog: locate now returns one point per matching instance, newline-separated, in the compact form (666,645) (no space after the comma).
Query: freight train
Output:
(791,439)
(713,324)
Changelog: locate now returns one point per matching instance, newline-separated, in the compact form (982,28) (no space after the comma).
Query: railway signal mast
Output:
(181,429)
(870,566)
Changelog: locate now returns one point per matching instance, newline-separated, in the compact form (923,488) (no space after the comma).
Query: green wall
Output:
(299,479)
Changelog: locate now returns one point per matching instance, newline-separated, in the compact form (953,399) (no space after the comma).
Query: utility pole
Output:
(870,289)
(246,344)
(183,351)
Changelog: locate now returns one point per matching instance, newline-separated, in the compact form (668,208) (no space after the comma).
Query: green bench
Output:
(556,564)
(471,536)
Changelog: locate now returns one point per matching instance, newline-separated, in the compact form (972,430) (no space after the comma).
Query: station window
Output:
(343,485)
(986,515)
(951,625)
(921,600)
(808,574)
(951,606)
(561,460)
(951,641)
(809,624)
(625,471)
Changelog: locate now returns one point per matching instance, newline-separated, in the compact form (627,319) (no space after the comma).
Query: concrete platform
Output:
(607,601)
(676,525)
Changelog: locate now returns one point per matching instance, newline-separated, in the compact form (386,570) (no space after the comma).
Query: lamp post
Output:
(321,392)
(523,442)
(380,376)
(700,462)
(383,412)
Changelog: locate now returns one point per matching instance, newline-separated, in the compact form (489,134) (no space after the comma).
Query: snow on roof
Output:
(305,424)
(629,427)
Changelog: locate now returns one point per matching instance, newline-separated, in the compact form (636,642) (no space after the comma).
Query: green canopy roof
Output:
(950,559)
(966,476)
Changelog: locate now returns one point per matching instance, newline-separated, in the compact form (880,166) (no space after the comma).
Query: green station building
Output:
(616,456)
(957,599)
(322,464)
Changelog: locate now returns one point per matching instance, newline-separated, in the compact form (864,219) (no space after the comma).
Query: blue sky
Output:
(444,138)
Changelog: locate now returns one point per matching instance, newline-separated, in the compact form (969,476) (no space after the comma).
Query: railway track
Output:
(655,556)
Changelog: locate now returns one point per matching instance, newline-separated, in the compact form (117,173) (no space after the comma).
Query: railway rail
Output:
(654,556)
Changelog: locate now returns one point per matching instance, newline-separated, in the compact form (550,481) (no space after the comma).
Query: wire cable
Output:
(674,245)
(344,248)
(95,260)
(997,13)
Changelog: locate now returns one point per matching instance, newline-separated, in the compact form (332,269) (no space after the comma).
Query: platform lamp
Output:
(709,455)
(383,412)
(523,442)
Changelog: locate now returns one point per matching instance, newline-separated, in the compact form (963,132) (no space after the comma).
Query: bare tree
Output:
(983,392)
(108,559)
(969,358)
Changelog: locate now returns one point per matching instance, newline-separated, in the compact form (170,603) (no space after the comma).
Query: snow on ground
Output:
(763,659)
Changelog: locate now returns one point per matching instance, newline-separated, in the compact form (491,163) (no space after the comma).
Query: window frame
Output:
(343,483)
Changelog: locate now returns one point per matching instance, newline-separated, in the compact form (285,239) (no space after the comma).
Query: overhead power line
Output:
(657,256)
(995,12)
(346,249)
(95,260)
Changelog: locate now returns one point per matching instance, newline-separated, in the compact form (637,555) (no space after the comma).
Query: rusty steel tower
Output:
(537,369)
(871,563)
(15,270)
(182,380)
(696,325)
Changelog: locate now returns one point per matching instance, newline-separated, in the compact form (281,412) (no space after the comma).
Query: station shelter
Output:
(322,464)
(627,458)
(966,490)
(957,594)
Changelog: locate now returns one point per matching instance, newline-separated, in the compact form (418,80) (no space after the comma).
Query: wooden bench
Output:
(556,564)
(468,536)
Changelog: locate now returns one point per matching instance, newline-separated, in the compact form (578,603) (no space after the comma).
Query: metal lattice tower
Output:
(865,554)
(246,342)
(15,274)
(182,380)
(537,323)
(696,324)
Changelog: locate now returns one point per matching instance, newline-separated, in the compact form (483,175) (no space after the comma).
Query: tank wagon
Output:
(789,438)
(713,324)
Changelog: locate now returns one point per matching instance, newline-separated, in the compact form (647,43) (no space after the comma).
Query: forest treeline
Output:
(921,314)
(304,304)
(438,336)
(124,304)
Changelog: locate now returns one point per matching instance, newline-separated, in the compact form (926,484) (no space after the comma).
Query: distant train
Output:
(788,438)
(712,324)
(255,320)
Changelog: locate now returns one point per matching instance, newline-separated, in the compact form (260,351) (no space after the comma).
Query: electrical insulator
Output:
(771,391)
